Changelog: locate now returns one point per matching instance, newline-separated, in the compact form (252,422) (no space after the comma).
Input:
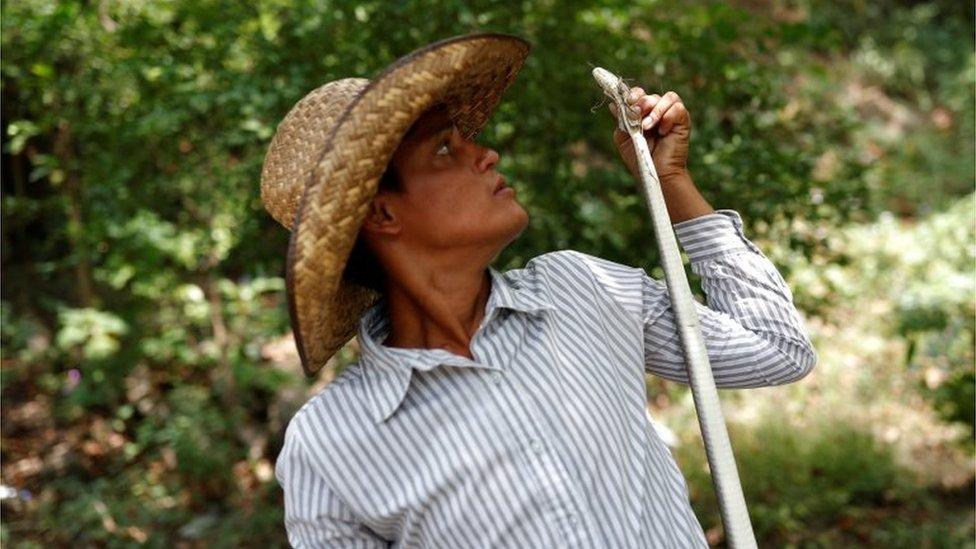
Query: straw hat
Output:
(323,167)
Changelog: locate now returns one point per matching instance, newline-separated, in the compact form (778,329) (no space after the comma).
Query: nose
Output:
(488,159)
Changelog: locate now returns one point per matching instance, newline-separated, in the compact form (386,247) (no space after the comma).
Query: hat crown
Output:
(298,143)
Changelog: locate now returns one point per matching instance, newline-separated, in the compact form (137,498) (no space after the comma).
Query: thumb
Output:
(651,141)
(620,137)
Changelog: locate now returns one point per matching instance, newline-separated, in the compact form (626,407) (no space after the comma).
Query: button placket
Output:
(558,499)
(556,480)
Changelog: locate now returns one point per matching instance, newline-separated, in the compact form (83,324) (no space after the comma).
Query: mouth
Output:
(500,185)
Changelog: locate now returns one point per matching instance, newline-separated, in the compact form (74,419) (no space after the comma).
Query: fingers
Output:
(647,104)
(633,97)
(635,93)
(658,111)
(664,111)
(676,114)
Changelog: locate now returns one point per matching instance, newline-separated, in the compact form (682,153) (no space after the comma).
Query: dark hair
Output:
(363,268)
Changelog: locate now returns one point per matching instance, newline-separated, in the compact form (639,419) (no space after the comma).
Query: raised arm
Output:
(753,333)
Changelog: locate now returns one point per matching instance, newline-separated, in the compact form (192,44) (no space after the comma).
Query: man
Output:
(493,409)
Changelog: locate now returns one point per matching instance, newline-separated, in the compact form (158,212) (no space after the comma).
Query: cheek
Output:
(456,210)
(432,210)
(450,214)
(450,195)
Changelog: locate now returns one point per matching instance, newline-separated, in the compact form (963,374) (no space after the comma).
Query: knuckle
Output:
(635,94)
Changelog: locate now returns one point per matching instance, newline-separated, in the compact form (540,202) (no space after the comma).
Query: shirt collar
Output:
(387,370)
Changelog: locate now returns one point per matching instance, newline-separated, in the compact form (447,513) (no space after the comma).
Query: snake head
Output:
(615,88)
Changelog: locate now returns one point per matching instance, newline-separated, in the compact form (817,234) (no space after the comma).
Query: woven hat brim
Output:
(468,74)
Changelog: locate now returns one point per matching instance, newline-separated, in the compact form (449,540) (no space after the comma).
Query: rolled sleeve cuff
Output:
(707,236)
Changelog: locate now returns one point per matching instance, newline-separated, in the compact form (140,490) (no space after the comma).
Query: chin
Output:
(498,232)
(520,222)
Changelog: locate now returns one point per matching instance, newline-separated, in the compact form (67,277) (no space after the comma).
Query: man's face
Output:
(449,197)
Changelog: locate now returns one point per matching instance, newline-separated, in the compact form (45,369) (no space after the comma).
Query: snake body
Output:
(718,449)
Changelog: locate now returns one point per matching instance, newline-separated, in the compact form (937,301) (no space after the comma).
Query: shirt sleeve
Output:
(752,332)
(314,515)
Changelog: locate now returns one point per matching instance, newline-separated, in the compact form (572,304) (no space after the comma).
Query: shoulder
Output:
(580,264)
(327,415)
(591,279)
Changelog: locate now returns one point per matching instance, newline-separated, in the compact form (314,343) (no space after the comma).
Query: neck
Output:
(436,305)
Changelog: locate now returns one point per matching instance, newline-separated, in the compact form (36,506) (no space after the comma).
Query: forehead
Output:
(432,121)
(419,138)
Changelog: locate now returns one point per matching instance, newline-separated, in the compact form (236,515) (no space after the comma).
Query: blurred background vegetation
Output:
(148,370)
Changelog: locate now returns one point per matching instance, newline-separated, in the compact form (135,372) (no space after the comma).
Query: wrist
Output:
(682,177)
(683,199)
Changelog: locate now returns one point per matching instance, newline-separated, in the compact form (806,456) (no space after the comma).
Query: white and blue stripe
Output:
(543,440)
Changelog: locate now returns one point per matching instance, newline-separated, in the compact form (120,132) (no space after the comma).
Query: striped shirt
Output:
(542,440)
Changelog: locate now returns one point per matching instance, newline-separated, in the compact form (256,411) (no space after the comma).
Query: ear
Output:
(381,217)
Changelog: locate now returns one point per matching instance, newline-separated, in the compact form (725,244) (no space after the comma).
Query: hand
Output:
(667,128)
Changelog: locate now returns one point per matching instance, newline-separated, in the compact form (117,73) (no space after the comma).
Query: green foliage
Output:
(912,88)
(923,273)
(937,311)
(800,481)
(97,333)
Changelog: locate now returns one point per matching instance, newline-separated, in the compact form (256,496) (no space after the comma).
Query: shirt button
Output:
(496,378)
(536,446)
(572,519)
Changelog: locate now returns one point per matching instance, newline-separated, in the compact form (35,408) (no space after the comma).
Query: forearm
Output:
(683,200)
(753,332)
